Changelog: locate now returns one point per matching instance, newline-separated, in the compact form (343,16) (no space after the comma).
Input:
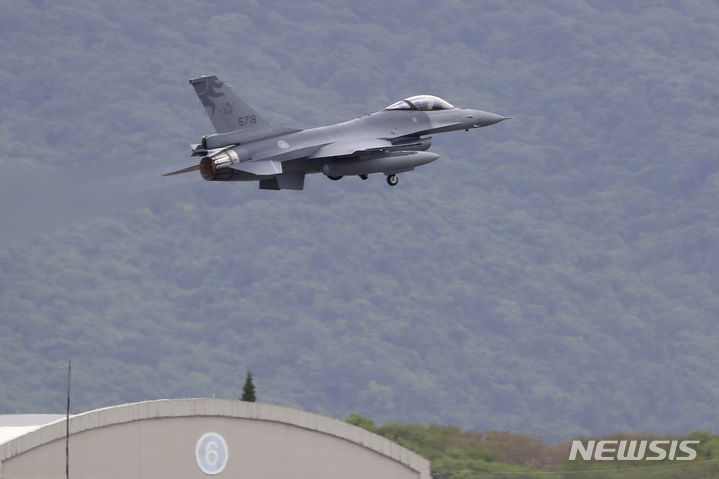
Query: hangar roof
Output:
(16,425)
(25,432)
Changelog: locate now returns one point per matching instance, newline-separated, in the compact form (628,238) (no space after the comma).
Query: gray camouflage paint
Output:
(247,148)
(224,108)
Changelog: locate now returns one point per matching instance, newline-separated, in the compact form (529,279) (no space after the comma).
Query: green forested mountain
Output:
(556,274)
(457,454)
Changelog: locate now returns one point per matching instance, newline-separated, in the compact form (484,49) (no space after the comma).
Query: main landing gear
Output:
(392,180)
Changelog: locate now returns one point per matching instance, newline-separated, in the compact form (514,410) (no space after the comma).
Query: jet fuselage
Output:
(390,141)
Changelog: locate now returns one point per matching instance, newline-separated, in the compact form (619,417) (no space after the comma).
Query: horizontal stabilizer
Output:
(259,168)
(184,170)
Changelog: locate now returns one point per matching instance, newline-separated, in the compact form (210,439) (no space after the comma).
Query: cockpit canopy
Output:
(421,102)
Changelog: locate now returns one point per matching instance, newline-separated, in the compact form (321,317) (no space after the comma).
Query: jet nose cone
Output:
(486,118)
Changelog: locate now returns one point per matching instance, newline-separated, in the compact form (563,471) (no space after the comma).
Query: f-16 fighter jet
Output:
(391,141)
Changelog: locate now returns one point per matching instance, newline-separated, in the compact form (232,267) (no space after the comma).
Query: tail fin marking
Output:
(226,110)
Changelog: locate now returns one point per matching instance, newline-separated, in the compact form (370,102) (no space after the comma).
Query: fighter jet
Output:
(391,141)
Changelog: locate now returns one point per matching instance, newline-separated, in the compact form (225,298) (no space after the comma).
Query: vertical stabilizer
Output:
(225,109)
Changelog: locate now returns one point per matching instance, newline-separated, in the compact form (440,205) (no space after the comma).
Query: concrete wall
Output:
(158,439)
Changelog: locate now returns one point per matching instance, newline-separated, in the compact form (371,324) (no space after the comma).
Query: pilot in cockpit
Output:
(422,103)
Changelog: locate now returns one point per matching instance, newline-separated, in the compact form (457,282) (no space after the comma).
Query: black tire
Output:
(334,178)
(392,180)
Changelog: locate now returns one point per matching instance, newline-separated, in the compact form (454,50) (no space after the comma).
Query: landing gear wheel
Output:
(364,177)
(334,178)
(392,180)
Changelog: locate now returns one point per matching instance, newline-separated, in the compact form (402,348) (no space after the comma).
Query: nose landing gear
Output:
(392,180)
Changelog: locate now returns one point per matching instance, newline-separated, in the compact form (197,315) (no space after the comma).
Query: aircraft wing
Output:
(347,148)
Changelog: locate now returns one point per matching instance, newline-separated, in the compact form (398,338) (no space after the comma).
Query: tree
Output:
(248,390)
(364,422)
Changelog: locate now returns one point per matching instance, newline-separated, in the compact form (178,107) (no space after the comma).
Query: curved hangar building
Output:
(196,438)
